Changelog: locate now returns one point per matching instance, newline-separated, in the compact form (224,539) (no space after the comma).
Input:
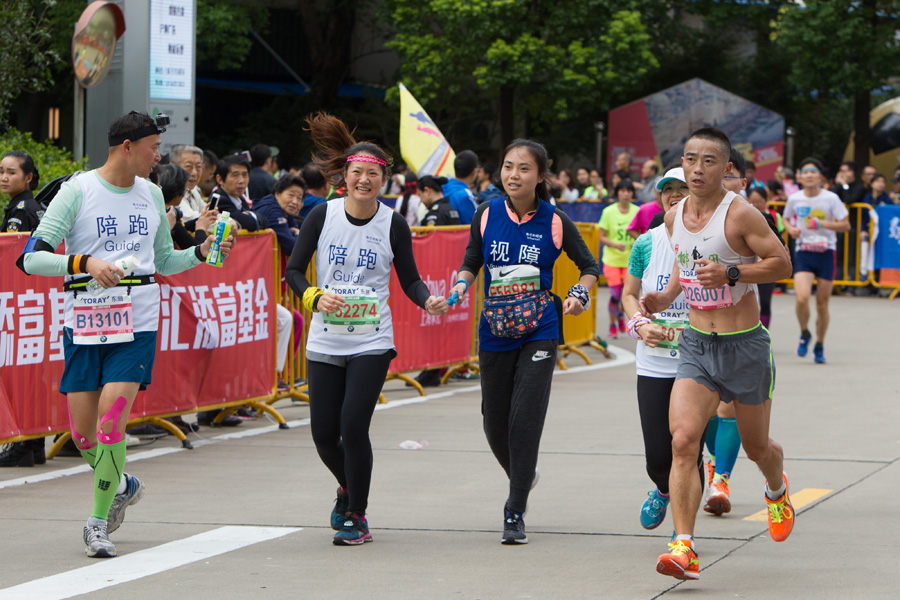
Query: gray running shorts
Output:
(739,366)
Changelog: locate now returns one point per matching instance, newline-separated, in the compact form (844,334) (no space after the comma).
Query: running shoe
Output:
(622,329)
(339,512)
(681,562)
(96,539)
(710,473)
(717,501)
(653,512)
(819,354)
(803,348)
(613,332)
(513,528)
(781,515)
(134,491)
(353,532)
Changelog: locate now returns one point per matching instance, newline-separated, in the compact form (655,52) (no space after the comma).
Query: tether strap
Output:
(79,284)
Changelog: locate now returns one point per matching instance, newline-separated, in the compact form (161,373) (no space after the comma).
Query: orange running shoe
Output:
(681,562)
(710,473)
(781,515)
(717,501)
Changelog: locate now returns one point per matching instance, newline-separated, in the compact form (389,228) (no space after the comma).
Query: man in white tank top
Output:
(723,247)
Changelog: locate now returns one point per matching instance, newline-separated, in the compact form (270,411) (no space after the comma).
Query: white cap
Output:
(676,173)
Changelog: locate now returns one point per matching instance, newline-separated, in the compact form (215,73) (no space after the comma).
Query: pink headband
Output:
(366,158)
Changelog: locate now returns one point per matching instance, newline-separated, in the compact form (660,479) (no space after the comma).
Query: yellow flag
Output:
(422,144)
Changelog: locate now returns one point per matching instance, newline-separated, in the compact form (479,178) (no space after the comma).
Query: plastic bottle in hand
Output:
(127,264)
(221,232)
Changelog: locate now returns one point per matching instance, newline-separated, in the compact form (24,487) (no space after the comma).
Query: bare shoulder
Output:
(669,220)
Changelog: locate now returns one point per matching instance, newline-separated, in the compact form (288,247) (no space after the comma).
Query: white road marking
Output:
(622,357)
(106,573)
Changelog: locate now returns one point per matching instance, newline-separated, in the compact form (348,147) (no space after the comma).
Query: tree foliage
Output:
(223,31)
(538,60)
(52,162)
(25,57)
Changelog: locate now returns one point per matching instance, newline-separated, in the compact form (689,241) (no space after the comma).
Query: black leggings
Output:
(653,404)
(341,403)
(765,299)
(515,392)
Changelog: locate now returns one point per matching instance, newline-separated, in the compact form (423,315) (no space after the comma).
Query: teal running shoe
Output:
(653,512)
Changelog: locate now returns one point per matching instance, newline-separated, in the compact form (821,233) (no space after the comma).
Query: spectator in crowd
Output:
(487,188)
(614,181)
(459,189)
(785,176)
(752,181)
(568,190)
(623,163)
(868,173)
(232,176)
(190,158)
(397,183)
(876,194)
(208,173)
(583,176)
(440,211)
(848,189)
(262,182)
(316,190)
(408,203)
(282,208)
(775,191)
(173,183)
(595,191)
(895,192)
(646,191)
(18,179)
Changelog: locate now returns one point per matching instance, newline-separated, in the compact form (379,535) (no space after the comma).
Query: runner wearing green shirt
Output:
(614,222)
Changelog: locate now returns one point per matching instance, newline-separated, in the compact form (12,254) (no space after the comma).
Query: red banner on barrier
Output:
(423,340)
(216,340)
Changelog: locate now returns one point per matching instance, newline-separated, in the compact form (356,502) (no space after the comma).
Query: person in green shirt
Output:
(614,236)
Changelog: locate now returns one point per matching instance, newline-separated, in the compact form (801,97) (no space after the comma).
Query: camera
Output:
(162,121)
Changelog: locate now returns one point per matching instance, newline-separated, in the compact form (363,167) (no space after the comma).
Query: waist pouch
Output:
(516,315)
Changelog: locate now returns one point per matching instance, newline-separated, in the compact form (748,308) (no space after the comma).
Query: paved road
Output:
(246,514)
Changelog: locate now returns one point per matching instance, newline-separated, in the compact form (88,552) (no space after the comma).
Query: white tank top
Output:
(663,360)
(354,261)
(111,225)
(709,243)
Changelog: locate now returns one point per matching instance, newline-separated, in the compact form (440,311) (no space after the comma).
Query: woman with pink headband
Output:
(350,345)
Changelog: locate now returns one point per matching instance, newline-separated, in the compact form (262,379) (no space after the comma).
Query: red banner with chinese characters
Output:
(422,340)
(215,342)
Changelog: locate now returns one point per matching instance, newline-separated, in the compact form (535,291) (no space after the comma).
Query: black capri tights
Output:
(341,403)
(653,404)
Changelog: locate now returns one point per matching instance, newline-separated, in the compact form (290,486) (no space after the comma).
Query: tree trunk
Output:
(506,115)
(862,136)
(329,37)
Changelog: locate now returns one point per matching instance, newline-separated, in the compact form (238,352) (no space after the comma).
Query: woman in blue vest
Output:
(517,239)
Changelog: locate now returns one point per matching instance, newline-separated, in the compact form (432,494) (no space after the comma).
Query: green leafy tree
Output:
(25,57)
(51,161)
(223,31)
(540,62)
(842,48)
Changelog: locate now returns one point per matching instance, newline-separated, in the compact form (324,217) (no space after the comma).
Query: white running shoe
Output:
(134,491)
(96,539)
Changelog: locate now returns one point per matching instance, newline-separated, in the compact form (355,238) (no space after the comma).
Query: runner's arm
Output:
(304,249)
(775,262)
(53,228)
(576,249)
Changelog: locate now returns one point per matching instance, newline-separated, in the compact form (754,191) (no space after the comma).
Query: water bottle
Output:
(221,232)
(127,264)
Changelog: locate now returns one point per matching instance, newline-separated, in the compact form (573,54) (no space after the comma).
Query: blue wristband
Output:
(458,281)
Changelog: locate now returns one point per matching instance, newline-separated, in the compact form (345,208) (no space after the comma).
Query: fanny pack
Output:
(516,315)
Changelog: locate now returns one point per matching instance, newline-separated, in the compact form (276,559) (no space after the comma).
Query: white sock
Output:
(775,494)
(686,538)
(123,485)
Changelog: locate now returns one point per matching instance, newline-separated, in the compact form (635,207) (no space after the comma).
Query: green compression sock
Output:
(89,455)
(107,474)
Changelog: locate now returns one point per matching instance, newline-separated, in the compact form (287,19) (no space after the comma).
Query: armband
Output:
(34,244)
(199,254)
(458,281)
(636,321)
(309,298)
(581,293)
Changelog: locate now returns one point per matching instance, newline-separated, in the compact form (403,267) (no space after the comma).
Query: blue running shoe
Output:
(803,348)
(339,512)
(819,354)
(653,512)
(355,531)
(134,491)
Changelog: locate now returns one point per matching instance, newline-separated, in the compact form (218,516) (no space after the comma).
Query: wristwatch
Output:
(733,273)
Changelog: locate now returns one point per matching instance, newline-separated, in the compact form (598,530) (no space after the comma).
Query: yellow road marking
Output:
(798,501)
